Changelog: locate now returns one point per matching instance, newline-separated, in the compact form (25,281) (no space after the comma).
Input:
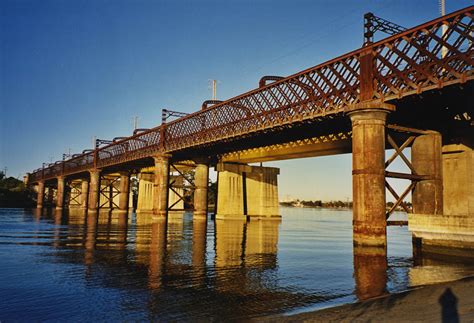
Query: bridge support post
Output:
(145,192)
(427,196)
(201,182)
(262,192)
(124,194)
(40,196)
(160,186)
(60,193)
(231,191)
(245,190)
(84,193)
(368,173)
(449,227)
(94,189)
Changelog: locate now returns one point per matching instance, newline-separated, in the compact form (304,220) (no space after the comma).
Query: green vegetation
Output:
(14,193)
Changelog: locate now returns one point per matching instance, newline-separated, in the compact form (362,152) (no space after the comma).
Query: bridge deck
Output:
(398,67)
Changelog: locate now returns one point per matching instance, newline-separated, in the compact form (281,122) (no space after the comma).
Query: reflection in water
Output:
(113,267)
(370,272)
(157,253)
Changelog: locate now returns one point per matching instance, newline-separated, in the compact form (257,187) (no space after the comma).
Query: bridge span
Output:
(414,89)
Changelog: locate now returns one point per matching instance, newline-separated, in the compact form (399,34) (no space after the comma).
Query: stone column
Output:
(201,181)
(60,194)
(368,172)
(84,193)
(160,186)
(94,189)
(40,196)
(427,196)
(124,191)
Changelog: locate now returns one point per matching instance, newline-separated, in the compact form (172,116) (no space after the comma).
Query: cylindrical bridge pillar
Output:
(40,196)
(201,182)
(84,193)
(124,194)
(368,173)
(60,193)
(94,189)
(427,196)
(160,186)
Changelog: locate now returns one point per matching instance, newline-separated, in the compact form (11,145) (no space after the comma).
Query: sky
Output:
(72,70)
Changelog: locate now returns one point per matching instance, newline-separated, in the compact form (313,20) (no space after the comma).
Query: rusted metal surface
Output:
(402,65)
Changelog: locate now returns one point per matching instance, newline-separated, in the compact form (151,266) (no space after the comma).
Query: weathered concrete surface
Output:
(84,193)
(145,191)
(201,182)
(230,191)
(124,194)
(454,229)
(245,190)
(40,195)
(447,302)
(60,194)
(458,181)
(427,196)
(94,189)
(368,172)
(262,192)
(160,186)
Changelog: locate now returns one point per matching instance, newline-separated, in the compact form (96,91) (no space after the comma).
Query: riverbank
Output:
(447,302)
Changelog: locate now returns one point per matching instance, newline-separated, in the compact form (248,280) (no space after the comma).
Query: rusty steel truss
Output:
(410,62)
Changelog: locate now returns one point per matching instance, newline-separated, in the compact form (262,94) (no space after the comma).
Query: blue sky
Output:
(71,70)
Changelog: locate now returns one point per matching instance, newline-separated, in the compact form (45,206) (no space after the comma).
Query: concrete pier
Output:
(230,195)
(201,182)
(94,189)
(145,191)
(160,186)
(427,196)
(124,194)
(84,193)
(60,193)
(40,195)
(452,232)
(368,172)
(262,192)
(245,190)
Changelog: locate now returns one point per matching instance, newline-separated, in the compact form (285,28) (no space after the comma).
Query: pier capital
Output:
(161,157)
(369,110)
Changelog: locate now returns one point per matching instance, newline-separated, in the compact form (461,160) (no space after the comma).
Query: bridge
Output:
(413,89)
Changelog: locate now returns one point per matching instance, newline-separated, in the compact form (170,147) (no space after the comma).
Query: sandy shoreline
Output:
(447,302)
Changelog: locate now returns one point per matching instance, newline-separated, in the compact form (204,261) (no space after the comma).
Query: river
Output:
(70,267)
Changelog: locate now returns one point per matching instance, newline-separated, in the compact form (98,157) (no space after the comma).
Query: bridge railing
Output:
(421,59)
(406,63)
(137,146)
(79,163)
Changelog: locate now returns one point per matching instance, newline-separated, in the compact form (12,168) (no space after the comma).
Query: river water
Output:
(70,267)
